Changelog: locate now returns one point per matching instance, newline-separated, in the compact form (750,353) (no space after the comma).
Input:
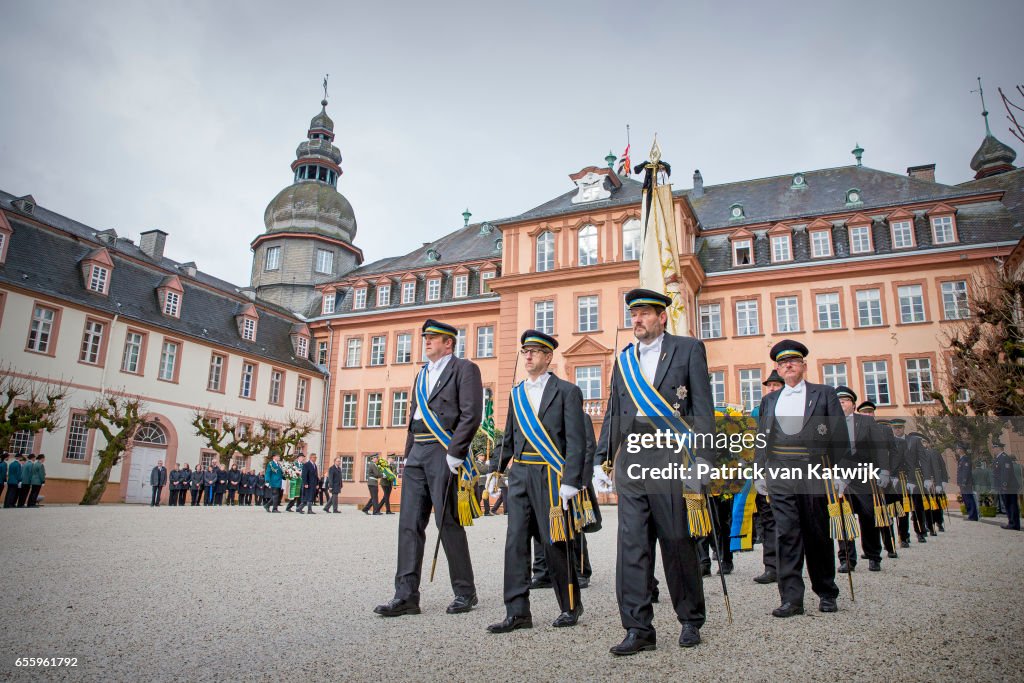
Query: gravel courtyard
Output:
(137,593)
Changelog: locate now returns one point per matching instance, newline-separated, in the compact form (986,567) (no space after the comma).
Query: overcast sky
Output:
(185,116)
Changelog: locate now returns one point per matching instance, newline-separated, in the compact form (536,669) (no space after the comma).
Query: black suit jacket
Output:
(457,400)
(871,448)
(561,413)
(334,479)
(683,363)
(821,404)
(158,476)
(309,475)
(917,459)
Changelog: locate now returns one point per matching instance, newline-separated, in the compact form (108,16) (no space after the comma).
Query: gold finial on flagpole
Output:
(655,151)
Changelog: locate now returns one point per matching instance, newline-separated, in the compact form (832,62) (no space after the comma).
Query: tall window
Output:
(328,303)
(821,243)
(373,406)
(750,388)
(346,468)
(22,443)
(78,437)
(942,229)
(377,350)
(545,251)
(902,235)
(911,303)
(92,341)
(172,302)
(248,329)
(710,321)
(383,295)
(828,311)
(787,314)
(485,281)
(919,380)
(409,292)
(460,343)
(359,299)
(781,248)
(131,358)
(860,239)
(631,240)
(954,300)
(273,258)
(215,378)
(348,410)
(588,379)
(718,387)
(403,348)
(586,243)
(302,346)
(276,377)
(399,408)
(434,289)
(168,361)
(544,316)
(301,393)
(321,353)
(324,261)
(461,285)
(41,329)
(834,374)
(354,353)
(876,381)
(742,253)
(746,318)
(98,279)
(869,307)
(248,380)
(587,313)
(485,341)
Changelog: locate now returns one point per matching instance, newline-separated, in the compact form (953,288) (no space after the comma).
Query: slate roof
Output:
(630,192)
(1011,182)
(208,315)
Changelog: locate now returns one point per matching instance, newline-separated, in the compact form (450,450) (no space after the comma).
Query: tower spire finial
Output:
(324,102)
(984,110)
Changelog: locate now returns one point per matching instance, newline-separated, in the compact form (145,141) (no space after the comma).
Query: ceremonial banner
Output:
(659,257)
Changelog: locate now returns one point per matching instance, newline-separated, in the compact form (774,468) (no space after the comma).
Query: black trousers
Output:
(922,520)
(308,496)
(423,486)
(385,500)
(231,496)
(273,499)
(218,497)
(580,559)
(721,517)
(801,521)
(33,494)
(155,500)
(529,506)
(502,496)
(331,501)
(769,539)
(196,495)
(485,502)
(870,536)
(11,500)
(373,505)
(1012,506)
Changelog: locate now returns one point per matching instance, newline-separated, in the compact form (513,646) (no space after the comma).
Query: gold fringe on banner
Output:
(697,515)
(556,524)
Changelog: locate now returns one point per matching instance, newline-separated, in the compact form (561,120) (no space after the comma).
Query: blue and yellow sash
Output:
(545,452)
(741,537)
(663,416)
(469,507)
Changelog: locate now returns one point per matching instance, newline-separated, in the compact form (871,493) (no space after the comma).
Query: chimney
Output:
(698,185)
(189,268)
(926,172)
(152,243)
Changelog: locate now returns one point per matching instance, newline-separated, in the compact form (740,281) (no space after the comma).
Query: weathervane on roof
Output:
(984,110)
(326,76)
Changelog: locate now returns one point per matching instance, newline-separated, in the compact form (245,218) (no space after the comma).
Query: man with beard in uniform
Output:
(438,440)
(803,425)
(668,375)
(545,436)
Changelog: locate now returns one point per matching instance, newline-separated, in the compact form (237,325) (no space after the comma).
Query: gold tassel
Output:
(556,525)
(835,518)
(465,507)
(880,520)
(697,515)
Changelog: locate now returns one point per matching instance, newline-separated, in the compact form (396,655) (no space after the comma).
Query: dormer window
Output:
(5,237)
(485,280)
(782,249)
(247,323)
(408,291)
(861,241)
(302,347)
(169,295)
(461,285)
(98,279)
(498,244)
(248,329)
(359,299)
(96,269)
(433,289)
(299,336)
(433,255)
(172,304)
(328,303)
(742,252)
(384,294)
(901,228)
(943,222)
(736,212)
(853,197)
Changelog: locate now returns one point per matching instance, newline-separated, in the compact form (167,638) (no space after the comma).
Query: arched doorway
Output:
(148,447)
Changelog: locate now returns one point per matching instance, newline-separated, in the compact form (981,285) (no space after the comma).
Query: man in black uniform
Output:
(900,474)
(545,436)
(438,440)
(803,425)
(1005,483)
(939,478)
(919,469)
(865,450)
(669,375)
(965,481)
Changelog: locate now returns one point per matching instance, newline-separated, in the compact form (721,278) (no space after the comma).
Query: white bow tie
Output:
(792,390)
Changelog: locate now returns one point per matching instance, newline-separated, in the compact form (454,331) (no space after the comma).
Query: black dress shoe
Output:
(396,608)
(1011,528)
(904,544)
(511,624)
(767,577)
(727,567)
(389,513)
(633,643)
(365,511)
(690,636)
(864,557)
(582,582)
(892,555)
(942,528)
(932,533)
(787,609)
(654,595)
(568,618)
(827,605)
(540,583)
(705,570)
(874,566)
(310,512)
(845,567)
(921,538)
(462,603)
(276,512)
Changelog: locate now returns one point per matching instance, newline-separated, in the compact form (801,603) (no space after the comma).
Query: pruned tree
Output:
(117,418)
(284,440)
(1016,127)
(28,405)
(228,438)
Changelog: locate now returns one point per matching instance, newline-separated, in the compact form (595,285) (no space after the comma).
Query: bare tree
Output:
(28,405)
(284,440)
(1017,127)
(118,418)
(228,438)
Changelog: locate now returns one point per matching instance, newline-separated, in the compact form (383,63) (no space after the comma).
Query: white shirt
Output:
(434,370)
(535,390)
(790,406)
(649,355)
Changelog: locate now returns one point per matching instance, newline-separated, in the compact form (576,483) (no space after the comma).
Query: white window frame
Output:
(132,352)
(168,360)
(78,438)
(98,279)
(485,341)
(378,349)
(409,292)
(359,299)
(545,257)
(328,303)
(710,321)
(588,379)
(461,286)
(485,277)
(954,300)
(782,248)
(273,258)
(902,233)
(717,379)
(92,342)
(276,382)
(586,246)
(399,408)
(434,289)
(383,295)
(249,328)
(787,314)
(751,388)
(324,261)
(943,223)
(460,343)
(403,342)
(919,375)
(588,311)
(544,316)
(215,374)
(172,303)
(40,333)
(911,304)
(869,307)
(349,408)
(860,239)
(247,388)
(737,245)
(374,409)
(817,242)
(749,309)
(301,393)
(834,374)
(830,314)
(631,245)
(876,382)
(354,352)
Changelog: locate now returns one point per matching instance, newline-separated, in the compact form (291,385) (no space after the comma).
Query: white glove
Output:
(840,487)
(567,493)
(939,488)
(761,486)
(453,463)
(911,488)
(927,484)
(884,478)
